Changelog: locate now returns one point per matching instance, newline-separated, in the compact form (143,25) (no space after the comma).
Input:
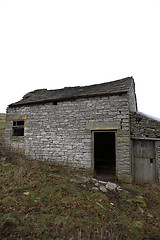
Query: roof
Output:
(140,115)
(103,89)
(148,116)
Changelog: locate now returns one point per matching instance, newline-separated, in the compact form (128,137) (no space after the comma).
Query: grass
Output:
(38,201)
(2,121)
(2,128)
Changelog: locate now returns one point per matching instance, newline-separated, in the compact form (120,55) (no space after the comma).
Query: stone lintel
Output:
(90,126)
(16,117)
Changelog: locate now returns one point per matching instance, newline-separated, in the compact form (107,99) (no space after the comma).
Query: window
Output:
(18,128)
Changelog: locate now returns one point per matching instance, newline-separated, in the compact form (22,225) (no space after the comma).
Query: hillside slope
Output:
(47,202)
(2,128)
(2,121)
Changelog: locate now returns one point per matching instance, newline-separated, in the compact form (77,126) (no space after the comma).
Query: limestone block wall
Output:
(157,146)
(132,98)
(58,134)
(143,127)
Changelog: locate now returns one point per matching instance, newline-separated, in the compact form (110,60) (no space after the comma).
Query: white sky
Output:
(57,43)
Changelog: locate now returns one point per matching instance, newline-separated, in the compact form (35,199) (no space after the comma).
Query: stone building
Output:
(96,128)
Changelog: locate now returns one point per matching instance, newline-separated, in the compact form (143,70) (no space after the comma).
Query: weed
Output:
(8,201)
(139,203)
(2,121)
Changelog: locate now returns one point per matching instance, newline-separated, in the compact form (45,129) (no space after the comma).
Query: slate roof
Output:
(104,89)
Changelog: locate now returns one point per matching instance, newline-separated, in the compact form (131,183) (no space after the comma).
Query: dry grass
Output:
(38,201)
(2,121)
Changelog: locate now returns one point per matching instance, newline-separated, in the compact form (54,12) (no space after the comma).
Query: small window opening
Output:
(138,120)
(54,103)
(151,160)
(18,128)
(20,123)
(14,123)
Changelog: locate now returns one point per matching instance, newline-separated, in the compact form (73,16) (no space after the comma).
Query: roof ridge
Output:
(106,88)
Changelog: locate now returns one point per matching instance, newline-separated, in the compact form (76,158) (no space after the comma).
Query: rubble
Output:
(105,186)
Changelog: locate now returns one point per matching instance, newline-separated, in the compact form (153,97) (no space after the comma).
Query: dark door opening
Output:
(104,153)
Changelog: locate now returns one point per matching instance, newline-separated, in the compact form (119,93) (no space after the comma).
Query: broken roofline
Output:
(54,100)
(43,96)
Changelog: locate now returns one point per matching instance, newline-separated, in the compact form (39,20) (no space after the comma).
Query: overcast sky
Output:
(58,43)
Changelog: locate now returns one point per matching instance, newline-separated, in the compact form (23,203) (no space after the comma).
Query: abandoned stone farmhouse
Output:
(97,128)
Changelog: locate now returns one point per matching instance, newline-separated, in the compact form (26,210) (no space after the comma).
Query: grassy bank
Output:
(2,121)
(47,202)
(2,128)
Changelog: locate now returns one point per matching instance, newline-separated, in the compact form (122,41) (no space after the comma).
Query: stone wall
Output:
(132,98)
(58,134)
(157,145)
(143,127)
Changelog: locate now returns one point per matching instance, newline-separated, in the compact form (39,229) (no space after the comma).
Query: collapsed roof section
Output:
(104,89)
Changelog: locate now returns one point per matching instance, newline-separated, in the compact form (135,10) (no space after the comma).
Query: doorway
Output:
(144,161)
(105,153)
